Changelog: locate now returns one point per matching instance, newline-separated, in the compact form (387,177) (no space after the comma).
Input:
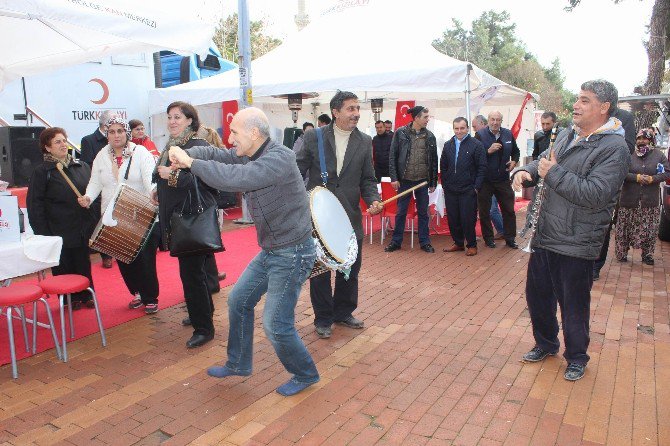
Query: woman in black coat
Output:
(174,188)
(53,209)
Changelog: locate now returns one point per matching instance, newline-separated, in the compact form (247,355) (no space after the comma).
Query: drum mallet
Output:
(59,166)
(403,193)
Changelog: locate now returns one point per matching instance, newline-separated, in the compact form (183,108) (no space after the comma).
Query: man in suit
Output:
(348,157)
(463,166)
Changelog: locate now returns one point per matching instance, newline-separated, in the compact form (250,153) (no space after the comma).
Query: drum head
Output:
(331,222)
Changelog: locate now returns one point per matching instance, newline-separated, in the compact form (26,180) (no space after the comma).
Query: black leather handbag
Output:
(196,233)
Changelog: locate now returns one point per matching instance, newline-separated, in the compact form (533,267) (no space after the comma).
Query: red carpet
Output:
(113,297)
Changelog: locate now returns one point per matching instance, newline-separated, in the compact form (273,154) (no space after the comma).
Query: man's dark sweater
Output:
(381,144)
(496,170)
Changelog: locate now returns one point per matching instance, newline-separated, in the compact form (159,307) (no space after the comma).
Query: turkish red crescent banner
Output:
(516,128)
(401,115)
(228,110)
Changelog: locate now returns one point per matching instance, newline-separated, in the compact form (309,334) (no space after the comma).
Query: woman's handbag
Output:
(195,234)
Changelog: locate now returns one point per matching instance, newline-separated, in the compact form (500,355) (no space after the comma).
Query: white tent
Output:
(333,53)
(42,35)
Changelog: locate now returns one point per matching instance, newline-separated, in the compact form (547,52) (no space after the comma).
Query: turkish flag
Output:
(516,128)
(228,110)
(401,115)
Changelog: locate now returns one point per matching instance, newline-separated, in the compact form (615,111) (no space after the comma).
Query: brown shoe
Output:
(454,248)
(222,276)
(471,251)
(107,262)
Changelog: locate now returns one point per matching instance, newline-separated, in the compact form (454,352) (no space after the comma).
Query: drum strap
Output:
(322,156)
(130,160)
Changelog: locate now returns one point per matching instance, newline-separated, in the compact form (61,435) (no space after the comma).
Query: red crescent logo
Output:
(404,109)
(105,91)
(229,118)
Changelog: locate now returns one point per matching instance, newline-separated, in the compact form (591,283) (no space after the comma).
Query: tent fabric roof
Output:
(308,62)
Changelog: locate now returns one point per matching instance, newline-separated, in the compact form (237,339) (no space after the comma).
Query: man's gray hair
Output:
(258,121)
(104,117)
(481,119)
(605,92)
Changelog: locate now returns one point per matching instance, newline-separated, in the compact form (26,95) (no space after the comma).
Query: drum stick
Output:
(59,166)
(403,193)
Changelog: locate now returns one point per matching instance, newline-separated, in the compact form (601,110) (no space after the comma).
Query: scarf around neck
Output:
(52,159)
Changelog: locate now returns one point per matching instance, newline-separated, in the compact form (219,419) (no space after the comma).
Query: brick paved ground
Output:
(437,364)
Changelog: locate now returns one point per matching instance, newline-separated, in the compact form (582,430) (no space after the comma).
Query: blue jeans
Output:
(421,195)
(496,216)
(280,273)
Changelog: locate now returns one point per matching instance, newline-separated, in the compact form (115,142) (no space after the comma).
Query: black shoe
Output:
(648,260)
(351,322)
(427,247)
(186,321)
(323,332)
(574,371)
(198,339)
(392,247)
(596,275)
(511,244)
(490,243)
(536,354)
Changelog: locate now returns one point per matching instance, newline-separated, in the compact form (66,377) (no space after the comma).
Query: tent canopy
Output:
(332,53)
(42,35)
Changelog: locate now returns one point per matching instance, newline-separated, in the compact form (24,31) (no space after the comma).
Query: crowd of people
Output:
(578,180)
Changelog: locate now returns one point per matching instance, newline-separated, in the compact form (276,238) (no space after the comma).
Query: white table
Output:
(30,255)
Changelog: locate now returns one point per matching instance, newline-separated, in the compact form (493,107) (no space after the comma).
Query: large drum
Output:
(334,237)
(126,224)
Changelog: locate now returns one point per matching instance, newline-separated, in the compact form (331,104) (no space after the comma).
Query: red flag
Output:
(228,110)
(401,115)
(516,128)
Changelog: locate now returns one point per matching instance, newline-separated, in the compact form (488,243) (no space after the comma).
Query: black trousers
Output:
(558,279)
(338,306)
(505,196)
(212,274)
(196,293)
(75,261)
(462,216)
(140,275)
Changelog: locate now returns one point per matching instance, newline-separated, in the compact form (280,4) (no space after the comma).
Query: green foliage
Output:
(225,38)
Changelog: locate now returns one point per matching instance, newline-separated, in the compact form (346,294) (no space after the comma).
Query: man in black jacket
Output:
(542,137)
(463,166)
(502,155)
(381,144)
(413,160)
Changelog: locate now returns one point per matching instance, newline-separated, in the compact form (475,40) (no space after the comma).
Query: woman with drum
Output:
(176,190)
(53,209)
(122,161)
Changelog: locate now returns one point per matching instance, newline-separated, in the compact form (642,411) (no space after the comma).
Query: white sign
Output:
(244,77)
(9,219)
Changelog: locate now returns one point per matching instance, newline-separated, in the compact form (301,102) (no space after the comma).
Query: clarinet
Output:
(534,214)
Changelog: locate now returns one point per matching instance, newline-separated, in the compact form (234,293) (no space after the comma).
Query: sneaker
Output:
(392,247)
(490,243)
(351,322)
(574,371)
(151,308)
(648,260)
(136,302)
(323,332)
(536,354)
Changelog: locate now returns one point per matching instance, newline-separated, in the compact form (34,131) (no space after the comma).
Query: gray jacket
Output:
(634,193)
(356,179)
(273,187)
(581,191)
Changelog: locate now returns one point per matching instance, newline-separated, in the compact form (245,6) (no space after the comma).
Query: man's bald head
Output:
(249,129)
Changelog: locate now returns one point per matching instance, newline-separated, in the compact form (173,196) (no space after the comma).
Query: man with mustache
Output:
(349,175)
(582,177)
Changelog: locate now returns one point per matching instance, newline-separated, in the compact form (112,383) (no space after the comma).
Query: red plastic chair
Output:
(63,286)
(368,220)
(391,210)
(16,297)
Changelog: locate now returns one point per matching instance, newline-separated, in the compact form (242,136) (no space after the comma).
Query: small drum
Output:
(125,226)
(334,237)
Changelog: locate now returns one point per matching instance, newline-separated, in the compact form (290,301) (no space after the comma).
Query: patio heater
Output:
(377,106)
(295,105)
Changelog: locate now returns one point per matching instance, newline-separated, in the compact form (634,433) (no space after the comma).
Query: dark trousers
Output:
(212,274)
(462,216)
(558,279)
(598,264)
(75,261)
(505,196)
(196,293)
(338,306)
(140,275)
(421,195)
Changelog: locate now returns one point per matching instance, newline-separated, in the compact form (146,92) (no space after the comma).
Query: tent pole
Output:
(467,93)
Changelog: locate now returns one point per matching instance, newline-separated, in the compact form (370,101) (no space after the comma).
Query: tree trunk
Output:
(656,52)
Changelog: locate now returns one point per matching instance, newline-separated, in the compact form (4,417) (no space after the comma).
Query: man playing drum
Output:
(278,203)
(348,160)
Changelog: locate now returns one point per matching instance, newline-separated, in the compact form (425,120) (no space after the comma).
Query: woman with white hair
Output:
(122,161)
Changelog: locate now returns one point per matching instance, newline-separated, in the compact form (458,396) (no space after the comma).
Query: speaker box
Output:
(19,154)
